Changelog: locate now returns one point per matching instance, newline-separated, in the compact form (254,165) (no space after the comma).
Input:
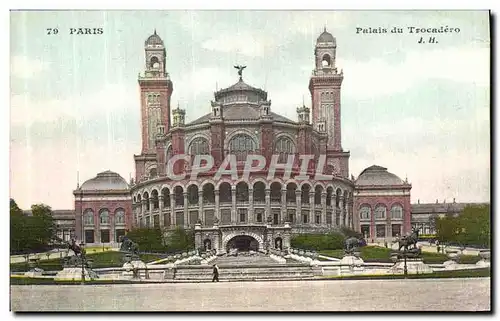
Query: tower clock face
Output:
(156,65)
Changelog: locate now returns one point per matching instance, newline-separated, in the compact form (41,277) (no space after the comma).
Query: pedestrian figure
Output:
(216,273)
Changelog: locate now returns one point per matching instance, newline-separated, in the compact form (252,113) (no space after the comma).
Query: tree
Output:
(180,240)
(471,227)
(148,239)
(30,233)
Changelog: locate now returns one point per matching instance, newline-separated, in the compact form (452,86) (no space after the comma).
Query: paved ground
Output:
(360,295)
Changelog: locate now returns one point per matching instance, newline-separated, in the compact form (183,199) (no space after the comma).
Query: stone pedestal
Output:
(413,266)
(75,274)
(34,273)
(351,263)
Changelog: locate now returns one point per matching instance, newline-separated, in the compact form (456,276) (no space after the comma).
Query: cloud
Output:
(245,43)
(117,99)
(26,68)
(378,77)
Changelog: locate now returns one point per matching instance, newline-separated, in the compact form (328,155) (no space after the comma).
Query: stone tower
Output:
(324,86)
(156,90)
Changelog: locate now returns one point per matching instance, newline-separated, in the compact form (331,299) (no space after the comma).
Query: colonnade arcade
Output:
(238,203)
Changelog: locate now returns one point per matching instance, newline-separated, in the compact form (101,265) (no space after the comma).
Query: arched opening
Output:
(284,147)
(225,193)
(241,145)
(306,188)
(199,146)
(242,192)
(154,62)
(278,243)
(193,194)
(207,244)
(326,61)
(337,198)
(259,192)
(276,192)
(242,243)
(318,190)
(153,172)
(290,192)
(154,197)
(329,195)
(208,194)
(346,199)
(179,196)
(166,197)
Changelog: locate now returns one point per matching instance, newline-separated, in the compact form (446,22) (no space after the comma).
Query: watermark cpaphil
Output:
(230,166)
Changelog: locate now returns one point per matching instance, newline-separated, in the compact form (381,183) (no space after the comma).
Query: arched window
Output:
(241,145)
(199,146)
(284,146)
(153,172)
(88,217)
(365,213)
(104,216)
(154,63)
(380,212)
(397,212)
(120,216)
(326,61)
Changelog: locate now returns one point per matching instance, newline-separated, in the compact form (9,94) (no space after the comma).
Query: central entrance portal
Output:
(243,243)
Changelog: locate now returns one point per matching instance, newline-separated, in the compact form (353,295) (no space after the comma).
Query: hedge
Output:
(318,242)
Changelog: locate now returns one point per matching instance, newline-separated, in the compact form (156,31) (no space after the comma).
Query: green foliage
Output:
(152,240)
(148,239)
(100,260)
(318,242)
(31,233)
(180,240)
(351,233)
(471,227)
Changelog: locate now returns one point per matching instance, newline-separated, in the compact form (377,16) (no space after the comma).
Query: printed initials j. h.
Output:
(431,40)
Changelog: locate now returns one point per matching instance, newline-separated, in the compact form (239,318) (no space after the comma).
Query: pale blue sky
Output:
(422,110)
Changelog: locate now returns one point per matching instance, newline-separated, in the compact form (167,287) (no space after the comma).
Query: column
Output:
(284,217)
(111,228)
(312,207)
(186,216)
(160,206)
(234,218)
(251,218)
(268,205)
(200,207)
(97,224)
(173,219)
(217,209)
(298,200)
(323,207)
(151,217)
(143,213)
(342,211)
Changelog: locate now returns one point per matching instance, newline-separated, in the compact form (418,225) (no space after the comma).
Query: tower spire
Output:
(155,32)
(77,179)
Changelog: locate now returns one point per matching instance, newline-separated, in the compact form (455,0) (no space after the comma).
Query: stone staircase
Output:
(242,259)
(246,272)
(246,268)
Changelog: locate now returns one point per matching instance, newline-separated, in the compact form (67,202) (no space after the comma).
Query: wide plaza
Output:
(466,294)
